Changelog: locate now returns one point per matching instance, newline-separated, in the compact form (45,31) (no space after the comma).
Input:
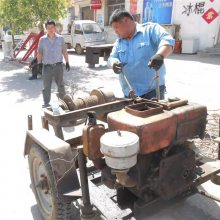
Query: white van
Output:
(85,33)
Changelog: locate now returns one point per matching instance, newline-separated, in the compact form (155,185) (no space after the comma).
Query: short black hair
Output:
(50,22)
(118,15)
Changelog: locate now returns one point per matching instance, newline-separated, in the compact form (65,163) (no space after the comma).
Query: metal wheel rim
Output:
(44,199)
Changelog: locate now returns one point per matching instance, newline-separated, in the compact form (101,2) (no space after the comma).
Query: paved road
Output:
(189,76)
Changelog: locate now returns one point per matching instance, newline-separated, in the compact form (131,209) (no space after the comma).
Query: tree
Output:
(24,14)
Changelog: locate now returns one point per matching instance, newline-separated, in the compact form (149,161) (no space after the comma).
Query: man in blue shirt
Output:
(51,50)
(138,52)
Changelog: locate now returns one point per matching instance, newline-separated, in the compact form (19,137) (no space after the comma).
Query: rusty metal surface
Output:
(99,95)
(169,105)
(61,158)
(30,122)
(57,121)
(155,132)
(176,173)
(91,101)
(63,105)
(78,104)
(86,208)
(104,95)
(69,102)
(44,123)
(91,141)
(144,109)
(191,121)
(160,130)
(108,94)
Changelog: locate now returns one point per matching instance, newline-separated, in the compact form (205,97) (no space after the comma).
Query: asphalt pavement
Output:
(188,76)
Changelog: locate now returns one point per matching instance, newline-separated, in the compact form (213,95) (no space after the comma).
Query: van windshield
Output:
(91,28)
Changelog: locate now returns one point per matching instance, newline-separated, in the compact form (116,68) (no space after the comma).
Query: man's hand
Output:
(67,67)
(156,61)
(117,67)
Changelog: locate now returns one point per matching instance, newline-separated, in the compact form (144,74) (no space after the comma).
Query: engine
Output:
(146,150)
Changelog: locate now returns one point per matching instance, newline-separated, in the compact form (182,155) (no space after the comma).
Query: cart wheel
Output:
(79,49)
(43,186)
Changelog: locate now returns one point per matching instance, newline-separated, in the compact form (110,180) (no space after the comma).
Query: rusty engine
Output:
(141,149)
(145,148)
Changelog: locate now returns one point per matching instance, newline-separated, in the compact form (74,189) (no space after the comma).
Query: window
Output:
(78,29)
(113,5)
(91,28)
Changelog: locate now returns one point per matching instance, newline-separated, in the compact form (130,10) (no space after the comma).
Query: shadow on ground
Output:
(80,78)
(19,83)
(85,79)
(6,65)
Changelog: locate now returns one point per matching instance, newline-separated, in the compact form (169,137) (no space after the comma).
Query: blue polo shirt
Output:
(52,52)
(136,53)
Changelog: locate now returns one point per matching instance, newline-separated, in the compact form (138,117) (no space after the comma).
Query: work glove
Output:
(67,67)
(156,61)
(117,67)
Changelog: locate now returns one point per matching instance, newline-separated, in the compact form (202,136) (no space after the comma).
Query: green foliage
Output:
(24,14)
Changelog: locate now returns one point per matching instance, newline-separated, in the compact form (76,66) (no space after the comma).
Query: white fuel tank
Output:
(120,149)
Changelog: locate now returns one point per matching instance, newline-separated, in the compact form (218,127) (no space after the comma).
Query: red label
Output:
(96,4)
(210,15)
(212,0)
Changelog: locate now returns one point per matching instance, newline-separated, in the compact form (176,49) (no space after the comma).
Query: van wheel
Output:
(50,205)
(79,49)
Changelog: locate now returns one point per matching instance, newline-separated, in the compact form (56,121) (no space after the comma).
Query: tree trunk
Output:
(13,41)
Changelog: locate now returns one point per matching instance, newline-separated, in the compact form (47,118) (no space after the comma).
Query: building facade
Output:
(195,19)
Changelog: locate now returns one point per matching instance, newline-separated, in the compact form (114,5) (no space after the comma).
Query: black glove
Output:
(156,61)
(67,67)
(117,67)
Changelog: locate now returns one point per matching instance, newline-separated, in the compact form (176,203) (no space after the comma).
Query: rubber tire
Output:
(79,49)
(60,210)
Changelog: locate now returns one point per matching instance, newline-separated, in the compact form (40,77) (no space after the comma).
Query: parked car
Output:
(84,33)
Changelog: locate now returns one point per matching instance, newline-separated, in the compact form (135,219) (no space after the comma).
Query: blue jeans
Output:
(152,94)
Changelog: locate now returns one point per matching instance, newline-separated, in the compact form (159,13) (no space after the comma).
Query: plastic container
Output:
(120,149)
(55,104)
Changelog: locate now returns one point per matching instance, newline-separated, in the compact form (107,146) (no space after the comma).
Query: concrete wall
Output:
(193,25)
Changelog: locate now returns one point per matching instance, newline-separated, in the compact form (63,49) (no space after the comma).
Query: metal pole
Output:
(157,85)
(87,208)
(30,123)
(44,122)
(219,136)
(131,92)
